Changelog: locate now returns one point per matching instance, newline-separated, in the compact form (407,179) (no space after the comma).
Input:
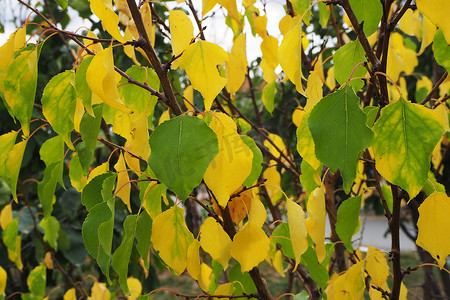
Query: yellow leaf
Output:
(260,24)
(434,226)
(232,165)
(297,230)
(171,237)
(273,184)
(79,112)
(164,116)
(428,31)
(377,267)
(305,144)
(94,47)
(99,291)
(205,276)
(138,133)
(48,260)
(6,215)
(98,170)
(124,11)
(315,223)
(240,49)
(3,279)
(330,81)
(250,246)
(290,56)
(410,23)
(215,241)
(188,97)
(278,262)
(240,206)
(269,49)
(135,287)
(182,31)
(235,73)
(285,24)
(129,49)
(15,41)
(193,260)
(71,294)
(278,141)
(103,9)
(442,112)
(102,81)
(437,11)
(377,295)
(314,90)
(226,289)
(16,255)
(400,58)
(297,116)
(123,187)
(257,213)
(200,61)
(403,292)
(231,7)
(350,285)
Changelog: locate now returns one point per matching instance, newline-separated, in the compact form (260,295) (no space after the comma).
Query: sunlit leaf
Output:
(350,285)
(377,267)
(250,246)
(297,229)
(135,288)
(437,12)
(232,165)
(405,136)
(200,61)
(70,294)
(273,182)
(6,216)
(338,127)
(99,291)
(434,225)
(215,241)
(289,57)
(182,149)
(400,58)
(104,10)
(171,237)
(182,31)
(315,224)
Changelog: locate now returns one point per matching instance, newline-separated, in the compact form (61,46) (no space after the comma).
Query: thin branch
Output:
(435,88)
(394,226)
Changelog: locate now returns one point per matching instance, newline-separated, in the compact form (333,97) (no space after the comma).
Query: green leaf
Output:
(143,231)
(7,142)
(20,86)
(307,177)
(136,97)
(182,149)
(121,256)
(268,96)
(36,281)
(151,194)
(76,173)
(98,190)
(62,3)
(348,220)
(441,50)
(338,127)
(256,162)
(371,112)
(431,185)
(300,7)
(83,90)
(369,12)
(51,230)
(302,296)
(9,234)
(387,192)
(317,271)
(405,136)
(89,129)
(324,14)
(246,283)
(47,187)
(345,60)
(58,104)
(171,237)
(281,236)
(97,233)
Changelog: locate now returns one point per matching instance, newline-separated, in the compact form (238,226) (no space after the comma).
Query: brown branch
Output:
(394,20)
(435,88)
(144,43)
(394,226)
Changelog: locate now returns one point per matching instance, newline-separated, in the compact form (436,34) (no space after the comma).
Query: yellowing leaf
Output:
(98,170)
(410,23)
(314,90)
(205,276)
(224,289)
(278,141)
(70,294)
(330,81)
(428,31)
(48,262)
(123,186)
(231,7)
(200,60)
(278,262)
(15,41)
(138,133)
(257,213)
(250,246)
(290,56)
(377,267)
(297,116)
(100,77)
(215,241)
(285,24)
(231,167)
(437,11)
(135,287)
(315,223)
(305,144)
(193,260)
(171,237)
(207,5)
(297,229)
(350,285)
(182,31)
(94,47)
(400,58)
(269,49)
(188,97)
(103,9)
(240,206)
(99,291)
(235,73)
(260,24)
(273,184)
(434,225)
(3,278)
(6,216)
